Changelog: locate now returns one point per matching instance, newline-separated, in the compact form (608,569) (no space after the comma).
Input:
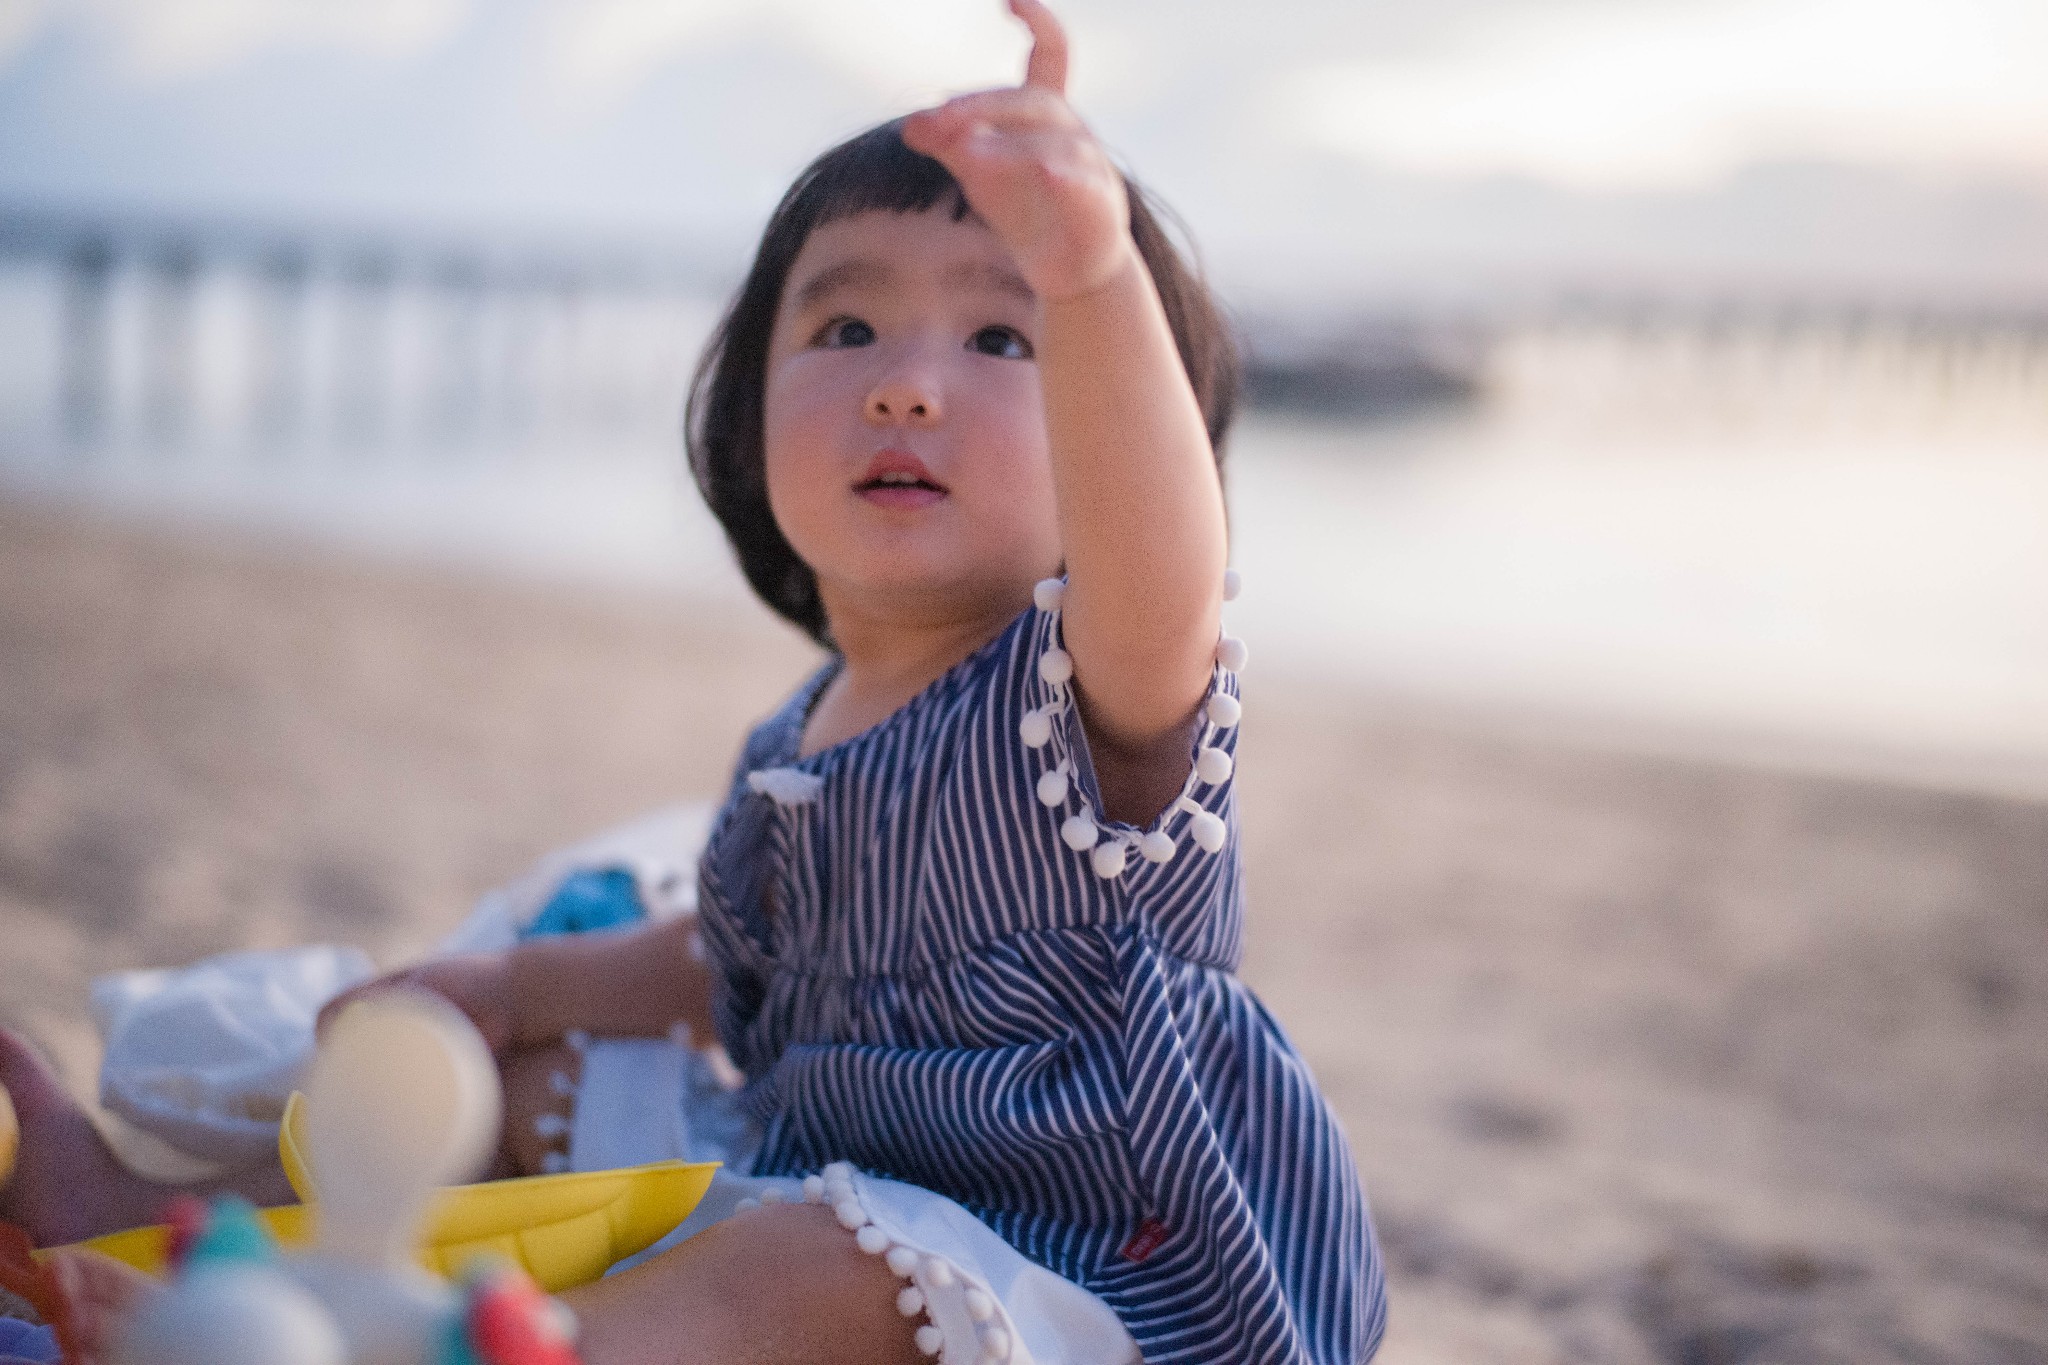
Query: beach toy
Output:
(236,1301)
(563,1230)
(401,1099)
(233,1304)
(587,900)
(10,1135)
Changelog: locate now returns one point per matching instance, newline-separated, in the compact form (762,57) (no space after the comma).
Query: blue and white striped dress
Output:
(920,976)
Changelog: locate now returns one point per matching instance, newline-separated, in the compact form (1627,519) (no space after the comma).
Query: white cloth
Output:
(205,1056)
(1047,1320)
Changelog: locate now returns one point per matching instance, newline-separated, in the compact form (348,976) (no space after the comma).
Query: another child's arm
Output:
(1140,503)
(638,982)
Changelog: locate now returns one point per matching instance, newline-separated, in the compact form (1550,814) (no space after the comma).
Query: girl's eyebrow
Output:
(860,273)
(995,279)
(854,274)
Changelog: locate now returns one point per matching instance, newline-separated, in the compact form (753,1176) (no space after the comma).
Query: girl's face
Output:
(903,428)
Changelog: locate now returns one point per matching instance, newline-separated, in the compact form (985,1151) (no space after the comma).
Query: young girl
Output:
(971,910)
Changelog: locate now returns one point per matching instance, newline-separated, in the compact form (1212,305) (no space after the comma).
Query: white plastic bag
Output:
(205,1056)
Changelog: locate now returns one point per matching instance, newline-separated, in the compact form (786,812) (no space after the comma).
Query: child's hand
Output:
(1033,171)
(478,984)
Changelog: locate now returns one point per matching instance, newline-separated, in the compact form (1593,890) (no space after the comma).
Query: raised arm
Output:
(1140,504)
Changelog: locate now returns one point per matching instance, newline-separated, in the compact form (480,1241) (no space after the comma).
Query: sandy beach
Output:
(1643,1059)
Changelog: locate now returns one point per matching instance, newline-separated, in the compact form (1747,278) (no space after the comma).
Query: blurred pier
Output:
(1742,360)
(166,335)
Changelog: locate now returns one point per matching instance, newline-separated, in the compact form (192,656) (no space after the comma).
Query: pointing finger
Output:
(1047,68)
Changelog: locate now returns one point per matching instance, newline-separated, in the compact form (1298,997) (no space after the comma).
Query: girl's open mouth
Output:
(896,478)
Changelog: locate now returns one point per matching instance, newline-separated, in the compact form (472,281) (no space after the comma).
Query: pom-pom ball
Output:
(1079,831)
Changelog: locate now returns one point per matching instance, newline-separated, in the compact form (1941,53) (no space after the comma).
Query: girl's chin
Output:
(907,588)
(904,498)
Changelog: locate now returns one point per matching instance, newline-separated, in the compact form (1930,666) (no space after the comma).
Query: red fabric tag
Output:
(1145,1240)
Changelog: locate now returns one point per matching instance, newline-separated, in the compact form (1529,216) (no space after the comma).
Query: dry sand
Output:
(1643,1059)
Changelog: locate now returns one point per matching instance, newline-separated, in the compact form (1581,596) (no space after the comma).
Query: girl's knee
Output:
(780,1285)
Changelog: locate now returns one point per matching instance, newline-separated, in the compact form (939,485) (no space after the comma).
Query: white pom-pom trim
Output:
(925,1273)
(1212,765)
(1109,855)
(1080,832)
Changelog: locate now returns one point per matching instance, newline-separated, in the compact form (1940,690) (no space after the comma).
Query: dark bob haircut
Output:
(723,421)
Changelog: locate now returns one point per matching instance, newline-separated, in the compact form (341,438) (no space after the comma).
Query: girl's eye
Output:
(997,340)
(842,332)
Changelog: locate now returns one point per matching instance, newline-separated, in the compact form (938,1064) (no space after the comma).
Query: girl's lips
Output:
(898,479)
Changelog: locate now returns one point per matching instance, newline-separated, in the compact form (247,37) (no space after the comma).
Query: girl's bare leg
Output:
(780,1285)
(67,1183)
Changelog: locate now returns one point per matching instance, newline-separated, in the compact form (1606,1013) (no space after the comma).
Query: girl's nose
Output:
(909,394)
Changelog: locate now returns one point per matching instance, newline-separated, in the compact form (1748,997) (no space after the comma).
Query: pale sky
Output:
(1658,93)
(1245,112)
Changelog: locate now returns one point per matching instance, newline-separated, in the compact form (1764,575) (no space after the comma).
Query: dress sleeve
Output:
(1199,825)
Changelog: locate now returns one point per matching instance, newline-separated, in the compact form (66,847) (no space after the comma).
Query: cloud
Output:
(594,54)
(19,21)
(1681,98)
(165,41)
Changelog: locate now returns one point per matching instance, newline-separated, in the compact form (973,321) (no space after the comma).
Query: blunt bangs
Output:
(723,420)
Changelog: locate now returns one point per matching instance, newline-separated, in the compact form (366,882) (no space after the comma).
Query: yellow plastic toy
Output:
(565,1230)
(10,1135)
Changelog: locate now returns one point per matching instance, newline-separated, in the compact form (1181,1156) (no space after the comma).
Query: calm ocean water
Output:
(1829,548)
